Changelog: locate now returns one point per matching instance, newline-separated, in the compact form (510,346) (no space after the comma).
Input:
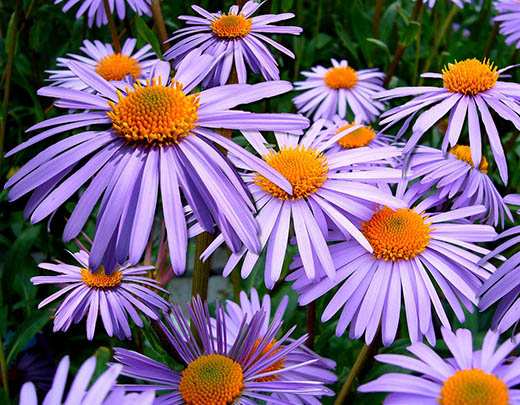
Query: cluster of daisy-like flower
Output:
(381,224)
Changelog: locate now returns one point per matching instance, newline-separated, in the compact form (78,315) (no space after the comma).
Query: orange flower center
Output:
(101,280)
(396,235)
(463,152)
(356,139)
(305,169)
(117,67)
(274,367)
(473,387)
(470,76)
(154,114)
(341,78)
(231,26)
(213,379)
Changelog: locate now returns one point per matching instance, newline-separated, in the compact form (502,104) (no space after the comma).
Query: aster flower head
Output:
(217,371)
(245,310)
(101,58)
(329,187)
(471,90)
(154,136)
(458,181)
(102,392)
(509,19)
(95,10)
(90,293)
(470,377)
(339,89)
(236,34)
(415,255)
(364,136)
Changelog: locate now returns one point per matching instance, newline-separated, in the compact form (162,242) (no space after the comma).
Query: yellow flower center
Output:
(305,169)
(117,67)
(154,114)
(275,366)
(463,152)
(396,235)
(213,379)
(470,76)
(473,387)
(231,26)
(341,78)
(101,280)
(356,139)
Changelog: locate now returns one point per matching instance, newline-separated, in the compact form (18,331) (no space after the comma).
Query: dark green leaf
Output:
(147,35)
(25,332)
(10,32)
(103,356)
(410,33)
(381,45)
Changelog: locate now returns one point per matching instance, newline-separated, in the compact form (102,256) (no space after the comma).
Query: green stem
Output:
(201,269)
(235,281)
(112,27)
(418,50)
(3,366)
(491,40)
(165,342)
(159,23)
(400,48)
(448,23)
(361,359)
(8,74)
(377,17)
(299,41)
(311,325)
(318,19)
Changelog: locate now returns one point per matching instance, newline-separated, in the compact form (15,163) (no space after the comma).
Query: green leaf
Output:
(381,45)
(147,35)
(19,263)
(3,397)
(3,322)
(25,332)
(10,32)
(411,33)
(346,41)
(103,356)
(387,21)
(287,5)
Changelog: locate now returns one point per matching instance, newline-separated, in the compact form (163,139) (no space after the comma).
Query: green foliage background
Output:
(341,29)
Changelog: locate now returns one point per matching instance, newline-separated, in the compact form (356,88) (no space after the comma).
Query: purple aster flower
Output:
(113,296)
(504,283)
(469,87)
(102,59)
(410,249)
(365,135)
(458,181)
(509,19)
(326,190)
(154,136)
(235,315)
(458,3)
(237,35)
(251,368)
(95,9)
(470,377)
(102,392)
(335,90)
